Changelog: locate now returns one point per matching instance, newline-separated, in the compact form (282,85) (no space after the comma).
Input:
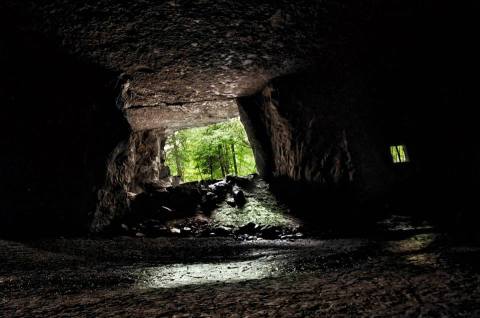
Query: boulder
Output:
(271,232)
(231,202)
(209,201)
(249,228)
(220,188)
(222,231)
(239,196)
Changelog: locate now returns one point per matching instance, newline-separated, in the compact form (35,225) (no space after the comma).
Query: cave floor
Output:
(416,274)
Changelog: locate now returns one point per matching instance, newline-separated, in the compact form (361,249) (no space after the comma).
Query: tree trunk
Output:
(176,154)
(220,159)
(226,159)
(232,147)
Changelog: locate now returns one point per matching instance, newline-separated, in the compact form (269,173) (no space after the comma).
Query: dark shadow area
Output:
(59,124)
(323,137)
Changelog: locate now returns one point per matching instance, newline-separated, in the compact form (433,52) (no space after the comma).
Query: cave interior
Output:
(355,111)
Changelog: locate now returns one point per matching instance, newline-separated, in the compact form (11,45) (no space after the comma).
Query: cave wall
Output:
(69,158)
(59,124)
(422,90)
(325,139)
(313,132)
(135,164)
(407,77)
(149,159)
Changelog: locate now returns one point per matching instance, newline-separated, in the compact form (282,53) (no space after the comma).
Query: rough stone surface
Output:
(134,165)
(186,51)
(419,275)
(174,117)
(307,128)
(149,157)
(195,55)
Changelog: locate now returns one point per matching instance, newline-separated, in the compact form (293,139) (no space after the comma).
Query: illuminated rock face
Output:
(133,165)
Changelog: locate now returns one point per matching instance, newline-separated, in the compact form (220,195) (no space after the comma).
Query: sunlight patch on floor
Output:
(176,275)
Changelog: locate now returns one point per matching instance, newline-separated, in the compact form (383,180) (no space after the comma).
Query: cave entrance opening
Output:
(210,152)
(219,193)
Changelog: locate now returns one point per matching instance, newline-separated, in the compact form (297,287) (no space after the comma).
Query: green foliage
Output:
(399,154)
(210,152)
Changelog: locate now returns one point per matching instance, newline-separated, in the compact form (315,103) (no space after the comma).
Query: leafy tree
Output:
(210,152)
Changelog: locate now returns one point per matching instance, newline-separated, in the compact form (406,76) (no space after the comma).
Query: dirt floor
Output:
(412,273)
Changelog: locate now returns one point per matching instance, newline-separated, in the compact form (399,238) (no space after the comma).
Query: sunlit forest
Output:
(210,152)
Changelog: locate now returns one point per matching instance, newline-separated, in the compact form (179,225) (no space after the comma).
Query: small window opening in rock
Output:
(399,154)
(210,152)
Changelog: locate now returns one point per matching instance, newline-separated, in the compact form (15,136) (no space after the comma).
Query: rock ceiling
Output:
(183,63)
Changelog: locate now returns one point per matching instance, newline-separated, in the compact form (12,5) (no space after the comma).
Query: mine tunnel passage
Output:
(349,107)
